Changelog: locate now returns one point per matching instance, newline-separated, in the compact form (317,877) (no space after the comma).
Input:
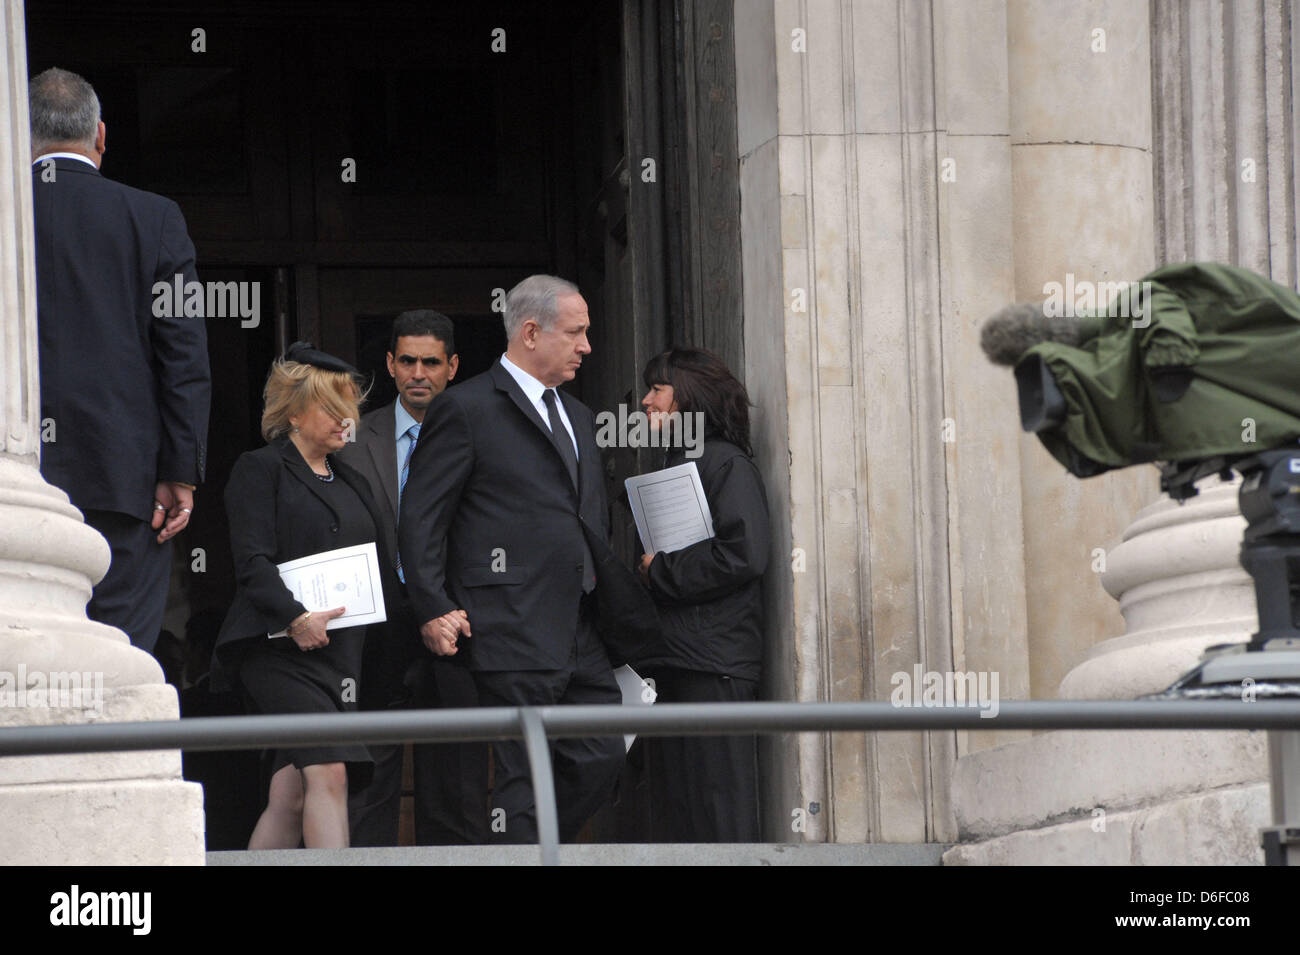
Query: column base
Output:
(1214,828)
(1172,797)
(111,822)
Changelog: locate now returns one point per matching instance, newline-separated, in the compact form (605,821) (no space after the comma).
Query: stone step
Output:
(880,853)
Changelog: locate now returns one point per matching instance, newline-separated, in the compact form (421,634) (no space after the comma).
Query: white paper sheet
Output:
(636,692)
(346,577)
(670,509)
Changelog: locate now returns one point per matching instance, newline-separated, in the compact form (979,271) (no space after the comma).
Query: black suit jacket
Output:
(374,456)
(277,513)
(390,647)
(492,524)
(128,391)
(710,594)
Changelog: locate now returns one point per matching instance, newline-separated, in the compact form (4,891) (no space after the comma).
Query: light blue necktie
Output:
(413,432)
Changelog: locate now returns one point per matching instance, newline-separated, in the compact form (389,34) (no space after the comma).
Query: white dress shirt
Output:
(534,390)
(45,156)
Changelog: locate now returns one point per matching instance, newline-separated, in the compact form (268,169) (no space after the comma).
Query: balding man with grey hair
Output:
(535,297)
(126,391)
(65,112)
(504,540)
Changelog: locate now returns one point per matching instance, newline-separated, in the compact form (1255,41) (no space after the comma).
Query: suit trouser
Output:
(133,594)
(702,788)
(450,778)
(374,811)
(585,770)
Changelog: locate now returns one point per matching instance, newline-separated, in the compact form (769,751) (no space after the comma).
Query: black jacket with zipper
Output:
(710,594)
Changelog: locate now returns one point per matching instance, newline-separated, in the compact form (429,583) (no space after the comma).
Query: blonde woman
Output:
(290,499)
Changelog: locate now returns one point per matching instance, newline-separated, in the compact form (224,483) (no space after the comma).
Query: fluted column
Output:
(875,236)
(1225,172)
(104,809)
(1082,199)
(1224,165)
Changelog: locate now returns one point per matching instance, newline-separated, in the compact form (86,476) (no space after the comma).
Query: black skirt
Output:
(280,678)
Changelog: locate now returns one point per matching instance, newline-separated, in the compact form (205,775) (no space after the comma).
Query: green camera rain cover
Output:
(1195,360)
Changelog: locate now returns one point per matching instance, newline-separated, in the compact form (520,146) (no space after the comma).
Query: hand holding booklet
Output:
(670,509)
(347,577)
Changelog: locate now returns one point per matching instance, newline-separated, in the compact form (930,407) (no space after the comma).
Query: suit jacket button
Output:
(334,528)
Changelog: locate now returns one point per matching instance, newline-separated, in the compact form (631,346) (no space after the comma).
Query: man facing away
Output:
(125,391)
(450,779)
(503,507)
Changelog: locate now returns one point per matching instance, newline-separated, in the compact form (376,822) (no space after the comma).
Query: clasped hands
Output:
(441,633)
(172,505)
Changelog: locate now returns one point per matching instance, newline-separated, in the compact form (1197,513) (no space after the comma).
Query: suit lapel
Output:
(299,469)
(384,454)
(588,453)
(506,382)
(358,483)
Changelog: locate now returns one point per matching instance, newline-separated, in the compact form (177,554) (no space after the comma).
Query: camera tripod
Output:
(1268,665)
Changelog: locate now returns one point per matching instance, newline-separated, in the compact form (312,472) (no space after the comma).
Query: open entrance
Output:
(358,159)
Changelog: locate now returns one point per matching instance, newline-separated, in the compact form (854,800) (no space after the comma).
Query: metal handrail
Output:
(534,725)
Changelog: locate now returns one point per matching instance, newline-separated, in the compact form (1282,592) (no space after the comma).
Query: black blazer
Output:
(128,391)
(492,524)
(373,455)
(277,513)
(710,594)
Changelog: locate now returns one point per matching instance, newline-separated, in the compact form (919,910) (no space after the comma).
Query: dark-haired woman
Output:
(705,789)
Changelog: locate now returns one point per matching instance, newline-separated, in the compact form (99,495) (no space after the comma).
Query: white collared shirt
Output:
(534,390)
(45,156)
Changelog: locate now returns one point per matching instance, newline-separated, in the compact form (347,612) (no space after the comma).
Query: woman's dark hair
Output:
(702,382)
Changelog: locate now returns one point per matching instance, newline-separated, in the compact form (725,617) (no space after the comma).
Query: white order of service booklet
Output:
(670,509)
(346,577)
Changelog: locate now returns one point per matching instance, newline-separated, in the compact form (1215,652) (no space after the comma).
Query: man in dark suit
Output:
(124,391)
(503,521)
(450,779)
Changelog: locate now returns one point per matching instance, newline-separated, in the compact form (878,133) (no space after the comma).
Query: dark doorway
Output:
(359,159)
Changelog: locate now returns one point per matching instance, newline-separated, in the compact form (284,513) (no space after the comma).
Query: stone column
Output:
(1082,169)
(1180,588)
(1223,141)
(1225,191)
(102,809)
(876,236)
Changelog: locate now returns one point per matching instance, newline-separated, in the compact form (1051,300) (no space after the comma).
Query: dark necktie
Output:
(565,445)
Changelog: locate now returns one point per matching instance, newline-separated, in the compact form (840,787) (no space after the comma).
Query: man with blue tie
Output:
(450,779)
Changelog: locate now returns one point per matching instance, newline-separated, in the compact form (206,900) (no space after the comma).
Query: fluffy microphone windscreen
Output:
(1010,332)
